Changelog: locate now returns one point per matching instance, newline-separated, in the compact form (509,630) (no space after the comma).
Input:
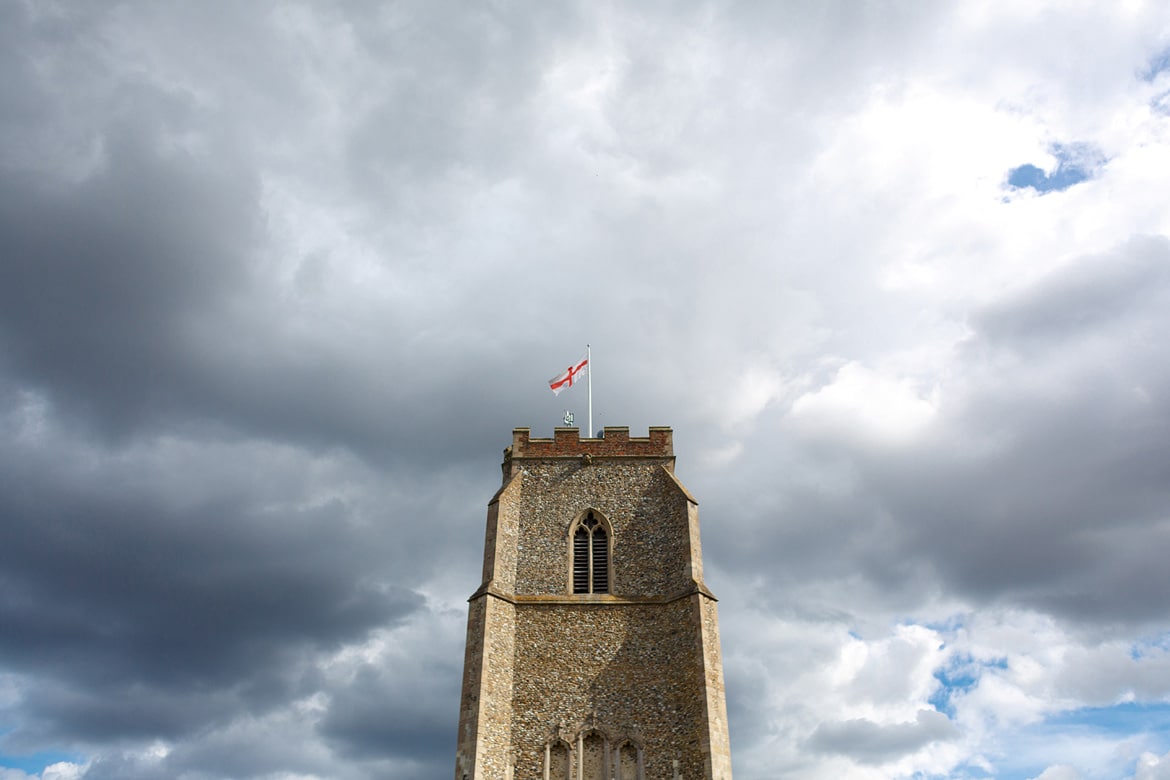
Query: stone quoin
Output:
(593,642)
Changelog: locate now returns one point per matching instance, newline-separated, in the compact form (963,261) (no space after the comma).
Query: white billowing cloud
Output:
(1020,658)
(867,407)
(1152,767)
(874,678)
(63,770)
(1023,672)
(1115,671)
(979,690)
(755,389)
(830,698)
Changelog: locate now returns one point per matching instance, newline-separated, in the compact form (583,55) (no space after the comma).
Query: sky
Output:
(277,281)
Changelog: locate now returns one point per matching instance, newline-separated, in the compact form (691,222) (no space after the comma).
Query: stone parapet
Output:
(615,442)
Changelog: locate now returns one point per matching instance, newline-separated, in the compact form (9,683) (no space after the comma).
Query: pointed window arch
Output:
(558,760)
(590,540)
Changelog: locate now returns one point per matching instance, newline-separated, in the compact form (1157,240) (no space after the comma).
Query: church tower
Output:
(592,644)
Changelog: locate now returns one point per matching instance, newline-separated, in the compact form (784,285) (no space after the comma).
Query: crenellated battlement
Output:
(614,442)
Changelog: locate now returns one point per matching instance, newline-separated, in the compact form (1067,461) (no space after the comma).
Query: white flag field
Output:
(571,376)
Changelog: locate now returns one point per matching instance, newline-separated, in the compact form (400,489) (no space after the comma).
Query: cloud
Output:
(276,281)
(870,742)
(1152,767)
(1051,350)
(864,404)
(1159,64)
(1009,482)
(1087,298)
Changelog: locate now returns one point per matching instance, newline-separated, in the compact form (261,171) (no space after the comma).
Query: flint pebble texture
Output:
(589,686)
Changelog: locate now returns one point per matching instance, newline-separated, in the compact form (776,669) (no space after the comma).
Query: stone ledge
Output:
(590,599)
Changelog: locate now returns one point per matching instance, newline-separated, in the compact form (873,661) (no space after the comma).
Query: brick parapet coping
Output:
(615,441)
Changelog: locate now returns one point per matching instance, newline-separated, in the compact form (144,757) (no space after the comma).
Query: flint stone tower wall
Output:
(623,684)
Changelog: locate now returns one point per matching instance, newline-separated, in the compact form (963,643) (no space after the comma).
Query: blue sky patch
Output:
(1150,647)
(948,626)
(1125,718)
(968,771)
(957,677)
(1161,104)
(960,675)
(35,763)
(1033,748)
(1074,163)
(1159,64)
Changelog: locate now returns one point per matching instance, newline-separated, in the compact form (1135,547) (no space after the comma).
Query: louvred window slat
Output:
(590,557)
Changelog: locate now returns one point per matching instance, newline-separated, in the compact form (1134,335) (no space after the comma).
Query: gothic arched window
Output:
(590,556)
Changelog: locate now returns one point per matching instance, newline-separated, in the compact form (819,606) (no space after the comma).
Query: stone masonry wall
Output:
(469,720)
(636,667)
(485,737)
(502,549)
(718,749)
(647,513)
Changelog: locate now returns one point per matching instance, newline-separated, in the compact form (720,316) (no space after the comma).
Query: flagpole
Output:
(589,386)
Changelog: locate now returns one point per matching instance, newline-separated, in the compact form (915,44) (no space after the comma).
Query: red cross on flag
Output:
(570,376)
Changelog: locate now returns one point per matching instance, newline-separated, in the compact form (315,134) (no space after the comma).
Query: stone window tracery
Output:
(593,753)
(590,555)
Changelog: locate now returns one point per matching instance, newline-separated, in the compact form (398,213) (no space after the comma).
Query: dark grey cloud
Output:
(103,282)
(113,595)
(452,102)
(1094,297)
(1058,474)
(402,710)
(132,301)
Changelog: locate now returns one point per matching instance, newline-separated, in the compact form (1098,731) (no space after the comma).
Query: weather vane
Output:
(568,418)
